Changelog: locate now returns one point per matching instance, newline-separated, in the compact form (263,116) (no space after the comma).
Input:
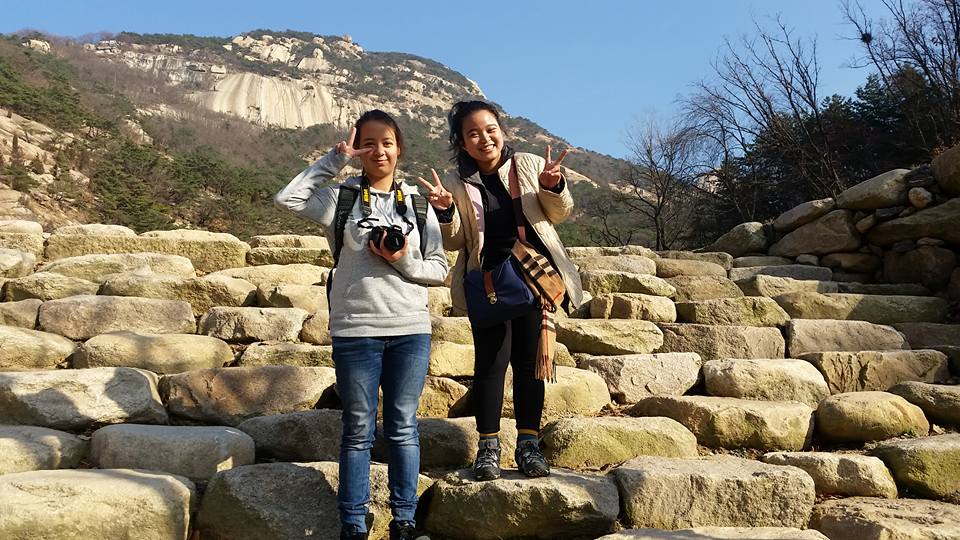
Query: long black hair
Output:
(376,115)
(455,117)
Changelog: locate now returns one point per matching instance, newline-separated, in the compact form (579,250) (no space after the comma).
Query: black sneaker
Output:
(350,532)
(405,530)
(487,464)
(530,459)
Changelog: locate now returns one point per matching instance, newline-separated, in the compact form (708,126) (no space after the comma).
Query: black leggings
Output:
(513,342)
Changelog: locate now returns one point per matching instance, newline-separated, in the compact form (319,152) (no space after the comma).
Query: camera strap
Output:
(399,201)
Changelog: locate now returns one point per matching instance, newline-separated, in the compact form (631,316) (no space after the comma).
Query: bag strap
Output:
(346,198)
(517,204)
(420,208)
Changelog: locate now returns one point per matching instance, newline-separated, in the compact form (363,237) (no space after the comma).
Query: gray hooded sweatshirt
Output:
(370,297)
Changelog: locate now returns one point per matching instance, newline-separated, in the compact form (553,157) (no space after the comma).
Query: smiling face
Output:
(483,139)
(381,161)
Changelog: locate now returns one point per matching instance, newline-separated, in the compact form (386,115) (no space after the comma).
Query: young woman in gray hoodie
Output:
(379,320)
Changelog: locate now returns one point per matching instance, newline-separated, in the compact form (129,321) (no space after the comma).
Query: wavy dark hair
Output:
(455,117)
(376,115)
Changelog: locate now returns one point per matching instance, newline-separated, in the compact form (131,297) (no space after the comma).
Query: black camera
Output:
(393,237)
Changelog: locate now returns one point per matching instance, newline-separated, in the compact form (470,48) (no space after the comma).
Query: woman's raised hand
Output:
(551,175)
(437,195)
(346,147)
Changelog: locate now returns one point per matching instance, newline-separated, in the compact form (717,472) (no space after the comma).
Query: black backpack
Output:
(347,197)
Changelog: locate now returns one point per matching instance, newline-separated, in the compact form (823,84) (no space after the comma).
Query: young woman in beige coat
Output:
(477,219)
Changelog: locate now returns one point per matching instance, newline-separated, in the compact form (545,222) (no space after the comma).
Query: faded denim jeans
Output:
(398,365)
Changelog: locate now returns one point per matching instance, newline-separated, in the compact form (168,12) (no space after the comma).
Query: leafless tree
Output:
(922,37)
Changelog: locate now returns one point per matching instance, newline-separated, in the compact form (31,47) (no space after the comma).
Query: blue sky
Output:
(585,70)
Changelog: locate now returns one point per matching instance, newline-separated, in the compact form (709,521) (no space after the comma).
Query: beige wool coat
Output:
(542,208)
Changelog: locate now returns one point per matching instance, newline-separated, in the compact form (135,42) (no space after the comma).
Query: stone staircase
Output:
(179,384)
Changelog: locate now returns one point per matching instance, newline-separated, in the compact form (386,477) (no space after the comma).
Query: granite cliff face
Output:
(294,83)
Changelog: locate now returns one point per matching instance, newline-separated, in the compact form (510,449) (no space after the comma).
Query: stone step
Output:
(31,448)
(792,271)
(868,416)
(159,353)
(207,254)
(770,379)
(595,443)
(195,452)
(669,493)
(878,370)
(939,402)
(285,353)
(747,311)
(312,435)
(879,309)
(598,282)
(632,377)
(451,443)
(633,306)
(720,422)
(712,342)
(26,242)
(667,268)
(514,506)
(98,267)
(718,533)
(289,240)
(760,260)
(76,399)
(228,396)
(289,255)
(95,504)
(725,260)
(926,466)
(860,518)
(808,335)
(203,293)
(693,288)
(15,263)
(286,500)
(850,475)
(632,264)
(47,286)
(310,298)
(606,337)
(26,349)
(773,286)
(245,324)
(927,335)
(272,274)
(83,317)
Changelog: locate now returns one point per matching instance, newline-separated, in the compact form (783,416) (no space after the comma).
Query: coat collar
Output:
(467,167)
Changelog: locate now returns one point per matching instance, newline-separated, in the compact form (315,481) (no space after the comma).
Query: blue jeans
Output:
(398,364)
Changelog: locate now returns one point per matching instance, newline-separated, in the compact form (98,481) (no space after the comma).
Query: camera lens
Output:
(394,240)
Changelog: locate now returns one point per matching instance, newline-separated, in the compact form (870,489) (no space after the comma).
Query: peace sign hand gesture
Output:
(551,175)
(346,147)
(437,195)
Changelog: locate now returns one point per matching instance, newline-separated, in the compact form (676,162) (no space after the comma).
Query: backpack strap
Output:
(346,198)
(420,208)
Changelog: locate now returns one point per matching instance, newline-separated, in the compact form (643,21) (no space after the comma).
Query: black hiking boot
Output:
(530,459)
(405,530)
(487,464)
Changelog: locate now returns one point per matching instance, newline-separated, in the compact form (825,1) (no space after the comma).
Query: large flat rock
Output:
(82,317)
(927,466)
(926,335)
(810,335)
(196,452)
(286,500)
(832,233)
(881,191)
(693,288)
(228,396)
(633,264)
(878,309)
(800,272)
(746,311)
(633,306)
(878,370)
(606,337)
(803,213)
(159,353)
(207,255)
(312,435)
(285,353)
(866,518)
(451,443)
(98,267)
(31,448)
(868,416)
(274,274)
(668,493)
(939,402)
(770,379)
(720,422)
(94,504)
(47,286)
(515,506)
(850,475)
(75,399)
(712,342)
(598,282)
(773,286)
(632,377)
(253,323)
(25,349)
(203,293)
(594,443)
